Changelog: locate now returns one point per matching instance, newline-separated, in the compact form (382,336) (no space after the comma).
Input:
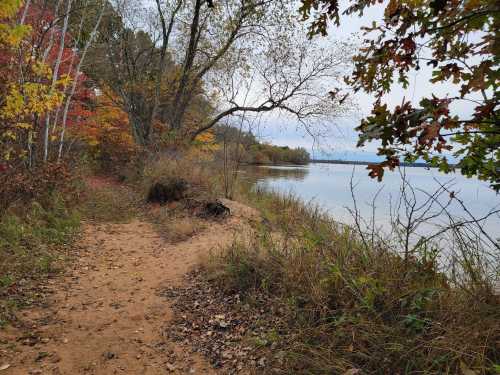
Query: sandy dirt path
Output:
(106,315)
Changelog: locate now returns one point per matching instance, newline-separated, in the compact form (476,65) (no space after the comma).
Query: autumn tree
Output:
(25,92)
(458,41)
(106,134)
(184,64)
(43,90)
(281,73)
(127,60)
(252,59)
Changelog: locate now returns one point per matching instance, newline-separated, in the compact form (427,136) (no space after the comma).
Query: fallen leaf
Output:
(352,371)
(41,355)
(466,370)
(4,367)
(170,367)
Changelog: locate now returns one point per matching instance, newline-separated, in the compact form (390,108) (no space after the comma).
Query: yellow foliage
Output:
(206,142)
(11,34)
(40,69)
(24,125)
(203,147)
(9,8)
(29,98)
(24,91)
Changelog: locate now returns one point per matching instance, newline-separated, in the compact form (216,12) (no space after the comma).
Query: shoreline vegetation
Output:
(250,151)
(340,161)
(341,305)
(247,149)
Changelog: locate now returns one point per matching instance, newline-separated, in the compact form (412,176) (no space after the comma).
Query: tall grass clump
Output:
(198,175)
(349,308)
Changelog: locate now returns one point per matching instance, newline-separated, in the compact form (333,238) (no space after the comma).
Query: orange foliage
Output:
(107,133)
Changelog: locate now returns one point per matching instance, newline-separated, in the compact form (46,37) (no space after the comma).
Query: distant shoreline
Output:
(335,161)
(356,162)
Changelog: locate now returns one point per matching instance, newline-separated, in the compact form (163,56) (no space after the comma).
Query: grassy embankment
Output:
(38,220)
(33,245)
(348,308)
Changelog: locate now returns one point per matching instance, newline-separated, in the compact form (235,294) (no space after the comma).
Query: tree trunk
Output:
(25,12)
(75,79)
(138,130)
(180,96)
(55,74)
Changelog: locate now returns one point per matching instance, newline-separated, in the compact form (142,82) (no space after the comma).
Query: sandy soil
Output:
(106,315)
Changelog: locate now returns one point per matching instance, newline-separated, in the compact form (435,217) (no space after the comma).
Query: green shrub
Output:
(33,244)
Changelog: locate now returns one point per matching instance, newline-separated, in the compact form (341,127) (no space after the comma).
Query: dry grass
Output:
(107,200)
(202,182)
(174,220)
(349,308)
(174,223)
(110,203)
(182,229)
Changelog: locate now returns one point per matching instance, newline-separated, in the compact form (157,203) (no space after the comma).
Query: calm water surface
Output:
(328,185)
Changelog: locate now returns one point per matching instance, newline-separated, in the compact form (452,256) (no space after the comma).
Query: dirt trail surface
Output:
(106,315)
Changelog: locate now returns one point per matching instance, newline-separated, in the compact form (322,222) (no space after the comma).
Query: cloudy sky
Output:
(340,143)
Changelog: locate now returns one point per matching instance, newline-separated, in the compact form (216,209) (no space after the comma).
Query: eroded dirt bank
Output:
(106,315)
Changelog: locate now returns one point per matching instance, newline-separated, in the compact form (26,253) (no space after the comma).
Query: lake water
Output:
(328,185)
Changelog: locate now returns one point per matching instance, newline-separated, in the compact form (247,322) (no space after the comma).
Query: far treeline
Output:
(259,153)
(359,162)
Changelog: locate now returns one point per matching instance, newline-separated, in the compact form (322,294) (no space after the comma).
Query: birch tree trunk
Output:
(55,75)
(72,61)
(75,81)
(51,37)
(25,12)
(45,55)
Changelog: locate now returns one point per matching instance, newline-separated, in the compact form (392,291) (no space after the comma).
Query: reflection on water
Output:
(262,173)
(328,186)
